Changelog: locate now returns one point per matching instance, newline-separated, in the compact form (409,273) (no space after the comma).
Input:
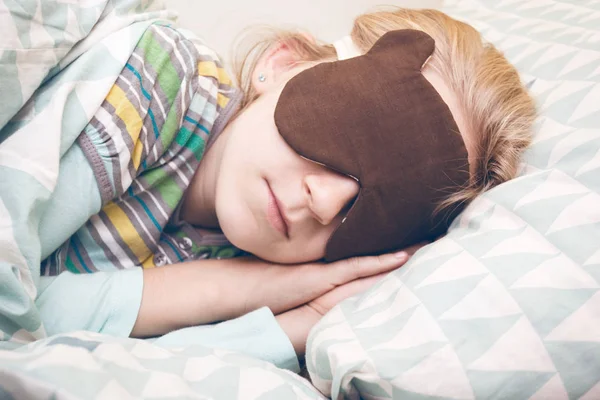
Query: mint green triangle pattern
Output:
(404,394)
(507,385)
(473,337)
(414,276)
(440,297)
(571,239)
(130,379)
(578,364)
(538,213)
(375,334)
(546,308)
(482,242)
(223,383)
(564,108)
(589,121)
(280,392)
(594,270)
(391,363)
(508,269)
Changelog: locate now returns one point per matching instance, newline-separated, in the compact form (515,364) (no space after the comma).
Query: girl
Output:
(190,167)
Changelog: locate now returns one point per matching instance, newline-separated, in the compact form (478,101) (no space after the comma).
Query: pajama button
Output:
(203,256)
(185,243)
(160,260)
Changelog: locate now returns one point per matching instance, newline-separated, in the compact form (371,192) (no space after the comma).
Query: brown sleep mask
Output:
(377,119)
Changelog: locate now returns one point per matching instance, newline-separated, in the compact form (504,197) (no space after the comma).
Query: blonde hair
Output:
(498,111)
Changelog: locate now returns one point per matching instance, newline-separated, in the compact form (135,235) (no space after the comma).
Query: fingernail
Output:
(401,254)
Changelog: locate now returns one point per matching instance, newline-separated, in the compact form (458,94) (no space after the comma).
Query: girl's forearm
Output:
(174,297)
(207,291)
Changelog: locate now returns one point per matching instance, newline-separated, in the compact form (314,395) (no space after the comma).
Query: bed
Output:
(506,306)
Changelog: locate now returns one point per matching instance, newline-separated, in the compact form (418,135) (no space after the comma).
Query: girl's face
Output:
(269,200)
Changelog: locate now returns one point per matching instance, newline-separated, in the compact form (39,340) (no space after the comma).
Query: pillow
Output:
(507,305)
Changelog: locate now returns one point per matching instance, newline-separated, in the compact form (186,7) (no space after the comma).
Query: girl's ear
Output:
(272,65)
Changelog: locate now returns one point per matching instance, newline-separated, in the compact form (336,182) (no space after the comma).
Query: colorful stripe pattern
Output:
(144,144)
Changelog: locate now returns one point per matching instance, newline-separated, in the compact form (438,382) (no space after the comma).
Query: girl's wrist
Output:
(296,324)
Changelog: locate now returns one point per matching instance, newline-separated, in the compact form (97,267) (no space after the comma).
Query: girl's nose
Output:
(329,193)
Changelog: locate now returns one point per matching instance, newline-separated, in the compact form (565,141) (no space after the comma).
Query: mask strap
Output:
(346,48)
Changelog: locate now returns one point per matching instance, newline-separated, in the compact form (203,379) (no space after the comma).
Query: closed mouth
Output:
(275,215)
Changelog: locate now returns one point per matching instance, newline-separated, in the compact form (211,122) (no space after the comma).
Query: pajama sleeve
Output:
(108,302)
(256,334)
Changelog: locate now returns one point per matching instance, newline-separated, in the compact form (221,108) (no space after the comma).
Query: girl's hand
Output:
(206,291)
(287,287)
(298,322)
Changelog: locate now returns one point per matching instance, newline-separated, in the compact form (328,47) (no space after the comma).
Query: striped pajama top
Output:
(144,144)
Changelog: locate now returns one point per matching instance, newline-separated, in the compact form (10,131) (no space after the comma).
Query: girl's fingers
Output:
(360,267)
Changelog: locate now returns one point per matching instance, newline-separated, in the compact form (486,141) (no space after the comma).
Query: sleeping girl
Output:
(254,206)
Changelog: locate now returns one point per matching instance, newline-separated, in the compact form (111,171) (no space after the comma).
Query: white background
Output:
(219,22)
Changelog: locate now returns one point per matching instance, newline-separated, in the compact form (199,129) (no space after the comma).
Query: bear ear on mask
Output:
(377,119)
